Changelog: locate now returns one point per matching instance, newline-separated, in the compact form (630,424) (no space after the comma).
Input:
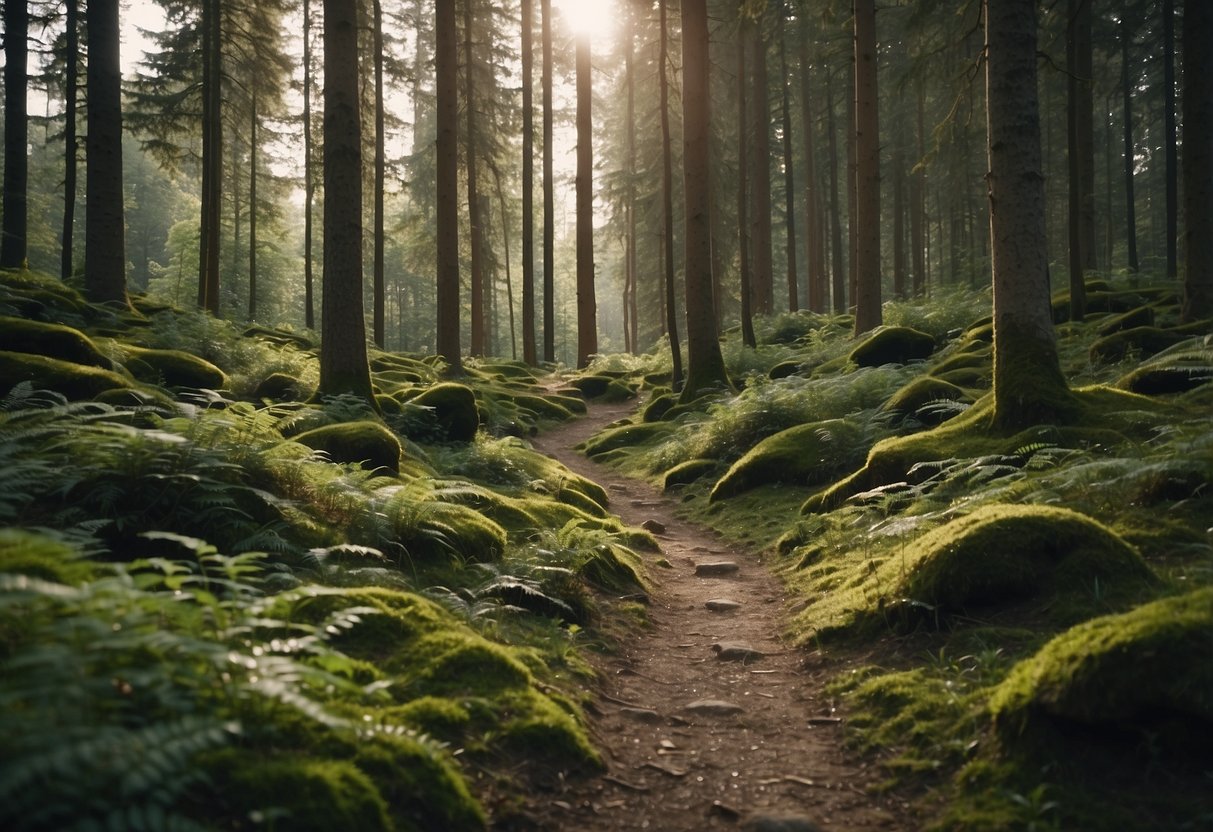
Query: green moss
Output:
(280,337)
(1142,341)
(613,568)
(280,387)
(444,719)
(625,436)
(1141,667)
(592,386)
(369,443)
(806,454)
(544,734)
(688,472)
(658,406)
(892,345)
(784,369)
(461,664)
(75,381)
(423,790)
(965,360)
(433,530)
(1141,316)
(454,406)
(174,368)
(1166,378)
(910,400)
(51,341)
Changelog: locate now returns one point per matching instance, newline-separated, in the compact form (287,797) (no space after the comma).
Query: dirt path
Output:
(778,756)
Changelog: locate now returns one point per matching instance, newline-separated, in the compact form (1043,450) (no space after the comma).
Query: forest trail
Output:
(768,746)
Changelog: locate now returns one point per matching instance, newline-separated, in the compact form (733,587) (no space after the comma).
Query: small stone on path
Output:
(653,526)
(736,651)
(721,605)
(641,714)
(716,568)
(714,707)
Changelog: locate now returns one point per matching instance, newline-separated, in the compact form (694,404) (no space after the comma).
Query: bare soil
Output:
(669,768)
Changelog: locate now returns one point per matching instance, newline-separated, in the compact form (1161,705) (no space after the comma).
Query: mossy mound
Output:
(369,443)
(998,557)
(280,387)
(687,472)
(454,406)
(979,359)
(785,369)
(436,530)
(42,557)
(1143,341)
(174,368)
(592,386)
(280,337)
(33,295)
(893,345)
(75,381)
(625,436)
(1139,317)
(658,407)
(51,341)
(1146,668)
(1165,379)
(808,454)
(915,399)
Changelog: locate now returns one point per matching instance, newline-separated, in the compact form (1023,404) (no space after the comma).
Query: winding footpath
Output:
(708,720)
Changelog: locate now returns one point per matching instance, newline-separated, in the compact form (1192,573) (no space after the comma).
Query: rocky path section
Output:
(708,720)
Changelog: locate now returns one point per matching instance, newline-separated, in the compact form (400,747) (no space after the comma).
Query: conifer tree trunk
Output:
(1198,161)
(630,324)
(918,206)
(814,253)
(379,290)
(761,281)
(1126,88)
(446,61)
(1028,384)
(528,185)
(104,232)
(212,159)
(899,228)
(667,200)
(479,327)
(1081,147)
(587,314)
(743,180)
(789,176)
(70,139)
(705,366)
(1170,137)
(867,173)
(549,202)
(838,260)
(309,177)
(252,208)
(16,133)
(343,359)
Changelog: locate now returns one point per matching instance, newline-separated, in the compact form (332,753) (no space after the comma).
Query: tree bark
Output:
(1169,137)
(212,158)
(343,359)
(667,200)
(16,135)
(309,177)
(1126,33)
(838,260)
(789,176)
(1198,161)
(71,142)
(705,366)
(252,208)
(743,179)
(528,185)
(476,241)
(587,315)
(918,205)
(104,231)
(761,281)
(549,202)
(631,326)
(867,172)
(1081,152)
(1028,384)
(446,60)
(379,290)
(814,250)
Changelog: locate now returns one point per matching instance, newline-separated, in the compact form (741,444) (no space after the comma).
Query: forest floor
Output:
(699,731)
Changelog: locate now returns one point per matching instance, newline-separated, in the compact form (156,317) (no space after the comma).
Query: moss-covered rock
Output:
(75,381)
(174,368)
(1141,316)
(912,401)
(51,341)
(280,337)
(808,454)
(687,472)
(625,436)
(280,387)
(1165,379)
(658,407)
(592,386)
(1143,341)
(1145,667)
(454,406)
(892,345)
(784,369)
(369,443)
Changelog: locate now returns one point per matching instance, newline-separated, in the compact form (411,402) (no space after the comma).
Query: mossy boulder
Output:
(174,368)
(658,407)
(1144,341)
(784,369)
(281,387)
(892,345)
(1165,379)
(433,530)
(454,407)
(1141,316)
(687,472)
(625,436)
(279,337)
(75,381)
(808,454)
(593,386)
(914,400)
(51,341)
(369,443)
(1147,667)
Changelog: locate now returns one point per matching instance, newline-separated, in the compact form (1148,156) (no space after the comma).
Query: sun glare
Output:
(596,18)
